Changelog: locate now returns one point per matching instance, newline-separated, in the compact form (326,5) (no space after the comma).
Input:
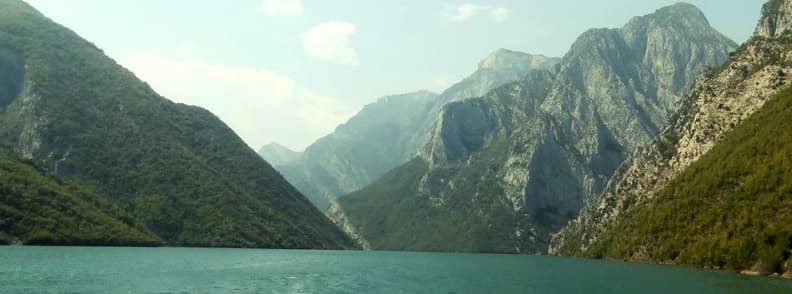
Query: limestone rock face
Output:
(518,163)
(336,214)
(776,19)
(718,103)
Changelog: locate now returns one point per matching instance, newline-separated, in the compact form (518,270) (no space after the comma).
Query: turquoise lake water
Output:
(187,270)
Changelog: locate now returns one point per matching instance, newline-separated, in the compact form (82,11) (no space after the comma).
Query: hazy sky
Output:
(290,71)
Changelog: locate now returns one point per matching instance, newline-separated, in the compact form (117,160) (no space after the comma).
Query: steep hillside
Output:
(36,209)
(712,190)
(730,209)
(516,165)
(753,74)
(74,112)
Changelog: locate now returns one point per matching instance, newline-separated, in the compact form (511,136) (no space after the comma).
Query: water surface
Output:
(187,270)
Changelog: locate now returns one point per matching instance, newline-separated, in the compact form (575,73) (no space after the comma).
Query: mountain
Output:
(502,172)
(378,138)
(73,112)
(390,131)
(713,188)
(418,206)
(32,212)
(500,67)
(276,154)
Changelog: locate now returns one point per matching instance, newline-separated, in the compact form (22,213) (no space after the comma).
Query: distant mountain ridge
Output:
(360,150)
(390,131)
(178,170)
(277,154)
(499,68)
(502,172)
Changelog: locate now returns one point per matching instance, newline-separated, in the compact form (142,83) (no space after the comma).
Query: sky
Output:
(290,71)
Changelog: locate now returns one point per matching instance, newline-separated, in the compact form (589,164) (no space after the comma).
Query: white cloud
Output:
(499,14)
(262,106)
(467,11)
(330,41)
(282,7)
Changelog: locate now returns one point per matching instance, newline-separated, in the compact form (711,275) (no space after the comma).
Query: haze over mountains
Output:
(277,154)
(390,131)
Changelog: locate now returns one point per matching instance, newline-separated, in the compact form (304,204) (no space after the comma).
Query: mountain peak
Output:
(644,33)
(776,19)
(276,145)
(682,9)
(412,96)
(505,59)
(680,14)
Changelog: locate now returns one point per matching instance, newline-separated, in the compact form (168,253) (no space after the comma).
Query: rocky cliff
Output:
(515,165)
(718,103)
(776,19)
(448,206)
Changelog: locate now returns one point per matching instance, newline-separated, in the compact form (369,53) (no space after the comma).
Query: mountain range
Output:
(390,131)
(502,172)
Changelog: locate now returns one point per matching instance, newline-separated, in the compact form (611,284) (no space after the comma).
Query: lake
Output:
(192,270)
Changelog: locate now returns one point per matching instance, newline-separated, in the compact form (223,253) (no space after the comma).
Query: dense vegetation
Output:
(416,222)
(37,209)
(731,209)
(177,169)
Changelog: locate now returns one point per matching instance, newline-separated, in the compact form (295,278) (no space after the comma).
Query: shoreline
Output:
(747,272)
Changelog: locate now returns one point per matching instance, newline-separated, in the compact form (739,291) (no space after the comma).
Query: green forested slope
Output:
(37,209)
(730,209)
(76,113)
